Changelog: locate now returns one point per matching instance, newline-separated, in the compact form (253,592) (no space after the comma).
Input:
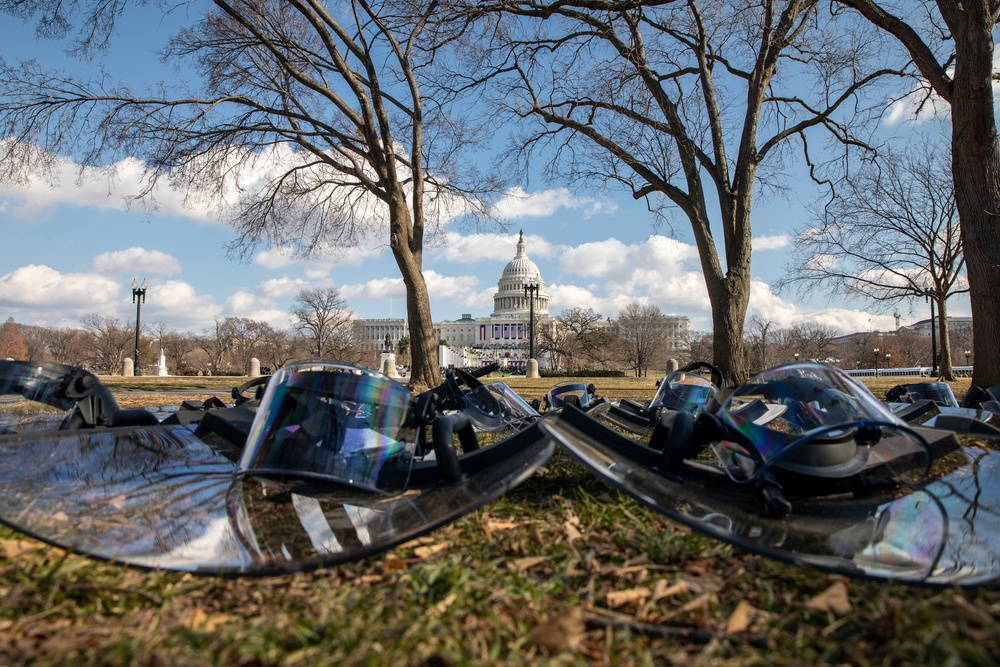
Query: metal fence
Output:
(915,371)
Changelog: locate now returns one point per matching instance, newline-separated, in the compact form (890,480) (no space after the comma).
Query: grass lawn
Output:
(561,571)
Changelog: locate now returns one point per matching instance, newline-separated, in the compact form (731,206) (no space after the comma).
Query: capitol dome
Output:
(510,300)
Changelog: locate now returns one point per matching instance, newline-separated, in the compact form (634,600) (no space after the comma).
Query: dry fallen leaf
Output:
(662,589)
(426,551)
(563,631)
(702,566)
(834,599)
(420,541)
(524,564)
(394,563)
(572,532)
(443,605)
(199,620)
(739,620)
(14,548)
(628,596)
(501,525)
(700,601)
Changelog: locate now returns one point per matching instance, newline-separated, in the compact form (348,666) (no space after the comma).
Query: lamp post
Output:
(968,353)
(530,292)
(138,298)
(927,296)
(796,357)
(888,357)
(876,361)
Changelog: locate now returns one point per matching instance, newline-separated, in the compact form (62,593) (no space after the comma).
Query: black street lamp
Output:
(796,357)
(927,296)
(138,298)
(530,292)
(968,353)
(876,361)
(888,357)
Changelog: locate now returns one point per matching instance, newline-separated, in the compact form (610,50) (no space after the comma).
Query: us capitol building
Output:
(503,337)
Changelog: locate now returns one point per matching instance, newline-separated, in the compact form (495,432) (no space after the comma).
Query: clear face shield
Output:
(939,392)
(558,395)
(333,422)
(496,406)
(683,391)
(814,419)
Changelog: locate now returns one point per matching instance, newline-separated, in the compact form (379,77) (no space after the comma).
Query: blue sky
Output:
(74,247)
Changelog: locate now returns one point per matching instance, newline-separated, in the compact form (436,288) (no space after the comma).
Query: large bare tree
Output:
(681,103)
(321,104)
(759,334)
(323,317)
(109,341)
(579,338)
(891,232)
(951,42)
(641,328)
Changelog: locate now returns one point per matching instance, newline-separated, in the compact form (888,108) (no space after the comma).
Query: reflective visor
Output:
(496,406)
(683,391)
(44,386)
(42,382)
(559,393)
(939,392)
(336,422)
(813,419)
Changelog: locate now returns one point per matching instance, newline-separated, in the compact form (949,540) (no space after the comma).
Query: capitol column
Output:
(531,368)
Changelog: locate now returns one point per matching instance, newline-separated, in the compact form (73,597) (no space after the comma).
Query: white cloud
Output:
(455,248)
(41,295)
(849,321)
(392,292)
(378,289)
(519,204)
(661,270)
(566,297)
(275,288)
(775,242)
(41,287)
(320,261)
(917,106)
(786,314)
(258,306)
(179,305)
(109,188)
(137,261)
(822,262)
(276,258)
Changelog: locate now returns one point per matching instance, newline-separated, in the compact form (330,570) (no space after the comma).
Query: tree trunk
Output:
(729,298)
(424,368)
(976,170)
(944,343)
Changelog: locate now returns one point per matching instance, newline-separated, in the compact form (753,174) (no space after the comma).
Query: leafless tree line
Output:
(321,327)
(639,339)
